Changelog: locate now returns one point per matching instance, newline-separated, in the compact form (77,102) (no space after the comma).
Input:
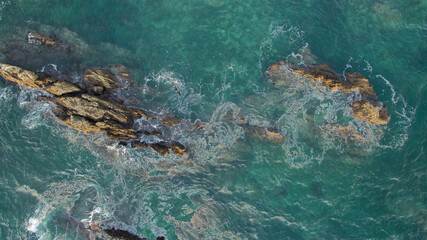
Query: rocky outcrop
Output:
(101,78)
(81,110)
(43,39)
(283,74)
(371,112)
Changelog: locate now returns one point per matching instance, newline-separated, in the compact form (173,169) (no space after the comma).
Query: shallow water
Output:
(231,186)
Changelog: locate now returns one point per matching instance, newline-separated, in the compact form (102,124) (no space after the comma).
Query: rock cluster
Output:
(78,106)
(368,109)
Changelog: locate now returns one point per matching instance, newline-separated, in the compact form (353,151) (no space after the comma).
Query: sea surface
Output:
(203,60)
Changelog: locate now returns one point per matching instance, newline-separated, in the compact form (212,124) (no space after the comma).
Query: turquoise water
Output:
(231,186)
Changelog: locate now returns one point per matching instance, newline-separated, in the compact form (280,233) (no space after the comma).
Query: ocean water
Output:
(201,60)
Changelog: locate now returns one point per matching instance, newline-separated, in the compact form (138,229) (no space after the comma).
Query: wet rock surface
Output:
(81,110)
(368,109)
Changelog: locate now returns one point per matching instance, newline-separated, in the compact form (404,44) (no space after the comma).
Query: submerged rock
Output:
(43,39)
(264,134)
(283,74)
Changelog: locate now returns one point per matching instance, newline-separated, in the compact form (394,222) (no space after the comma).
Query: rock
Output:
(136,144)
(98,90)
(43,39)
(82,124)
(117,131)
(264,134)
(21,76)
(283,73)
(121,71)
(371,112)
(161,147)
(77,108)
(100,77)
(178,148)
(122,234)
(60,88)
(170,121)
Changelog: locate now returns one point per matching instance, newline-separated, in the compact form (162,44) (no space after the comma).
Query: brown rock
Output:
(170,121)
(139,113)
(98,90)
(100,77)
(89,113)
(283,73)
(59,88)
(21,76)
(96,109)
(371,112)
(178,148)
(43,39)
(82,124)
(357,81)
(116,130)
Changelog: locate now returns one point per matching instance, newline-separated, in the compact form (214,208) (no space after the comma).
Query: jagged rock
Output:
(283,73)
(43,39)
(21,76)
(87,113)
(82,124)
(122,234)
(100,77)
(59,88)
(96,108)
(170,121)
(178,148)
(117,131)
(161,147)
(371,112)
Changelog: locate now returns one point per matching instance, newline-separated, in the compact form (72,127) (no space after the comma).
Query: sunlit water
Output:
(203,60)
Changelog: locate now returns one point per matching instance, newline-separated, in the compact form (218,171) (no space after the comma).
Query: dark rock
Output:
(161,147)
(178,148)
(122,234)
(136,144)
